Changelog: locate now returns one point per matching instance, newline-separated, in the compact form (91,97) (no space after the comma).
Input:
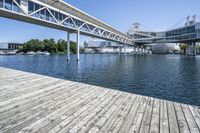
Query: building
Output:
(102,47)
(111,47)
(9,47)
(165,48)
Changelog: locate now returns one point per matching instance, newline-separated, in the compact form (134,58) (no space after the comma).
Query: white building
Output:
(164,48)
(110,47)
(9,47)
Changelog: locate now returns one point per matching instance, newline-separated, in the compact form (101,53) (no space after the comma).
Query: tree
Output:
(47,45)
(183,48)
(50,46)
(198,48)
(72,47)
(61,45)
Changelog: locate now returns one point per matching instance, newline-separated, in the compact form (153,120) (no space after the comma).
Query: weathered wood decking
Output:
(36,103)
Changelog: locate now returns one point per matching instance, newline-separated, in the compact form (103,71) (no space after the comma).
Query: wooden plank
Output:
(47,108)
(121,106)
(135,127)
(122,116)
(155,119)
(13,102)
(70,119)
(196,114)
(79,116)
(39,120)
(92,122)
(182,123)
(36,103)
(190,119)
(173,123)
(29,88)
(130,117)
(25,108)
(146,122)
(68,112)
(164,123)
(99,124)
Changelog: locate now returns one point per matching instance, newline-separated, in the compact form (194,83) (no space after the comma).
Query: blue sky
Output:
(121,14)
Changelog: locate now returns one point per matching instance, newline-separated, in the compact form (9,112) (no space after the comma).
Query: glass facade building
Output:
(198,30)
(185,33)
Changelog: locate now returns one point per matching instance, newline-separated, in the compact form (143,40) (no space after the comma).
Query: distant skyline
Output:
(155,14)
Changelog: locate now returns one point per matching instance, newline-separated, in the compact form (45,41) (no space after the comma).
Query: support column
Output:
(77,45)
(125,49)
(136,50)
(194,48)
(191,50)
(68,46)
(139,51)
(133,50)
(119,49)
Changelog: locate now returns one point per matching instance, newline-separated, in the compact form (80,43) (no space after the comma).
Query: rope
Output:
(177,24)
(148,28)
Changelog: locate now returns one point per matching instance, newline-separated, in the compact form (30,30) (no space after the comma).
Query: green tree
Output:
(50,46)
(198,48)
(183,48)
(73,47)
(61,45)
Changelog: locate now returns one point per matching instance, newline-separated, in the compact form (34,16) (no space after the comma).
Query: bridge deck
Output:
(36,103)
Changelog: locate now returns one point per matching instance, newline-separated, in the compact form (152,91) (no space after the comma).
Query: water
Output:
(170,77)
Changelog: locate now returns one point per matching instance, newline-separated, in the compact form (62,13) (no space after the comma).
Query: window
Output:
(43,14)
(8,4)
(30,7)
(37,8)
(47,15)
(60,16)
(15,7)
(56,15)
(1,3)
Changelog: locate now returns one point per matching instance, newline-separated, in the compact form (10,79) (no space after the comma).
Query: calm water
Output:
(170,77)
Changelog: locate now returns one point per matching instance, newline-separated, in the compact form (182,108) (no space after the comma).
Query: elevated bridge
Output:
(60,15)
(188,34)
(180,35)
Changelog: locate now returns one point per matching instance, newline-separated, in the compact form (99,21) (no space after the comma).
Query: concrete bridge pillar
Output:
(142,50)
(191,50)
(139,50)
(68,46)
(78,45)
(125,49)
(136,50)
(120,49)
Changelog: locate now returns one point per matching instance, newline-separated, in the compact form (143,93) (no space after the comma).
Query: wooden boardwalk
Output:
(35,103)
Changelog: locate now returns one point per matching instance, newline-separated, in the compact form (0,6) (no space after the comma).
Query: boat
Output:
(46,53)
(31,53)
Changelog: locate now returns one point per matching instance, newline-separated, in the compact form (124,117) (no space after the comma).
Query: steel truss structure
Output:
(60,15)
